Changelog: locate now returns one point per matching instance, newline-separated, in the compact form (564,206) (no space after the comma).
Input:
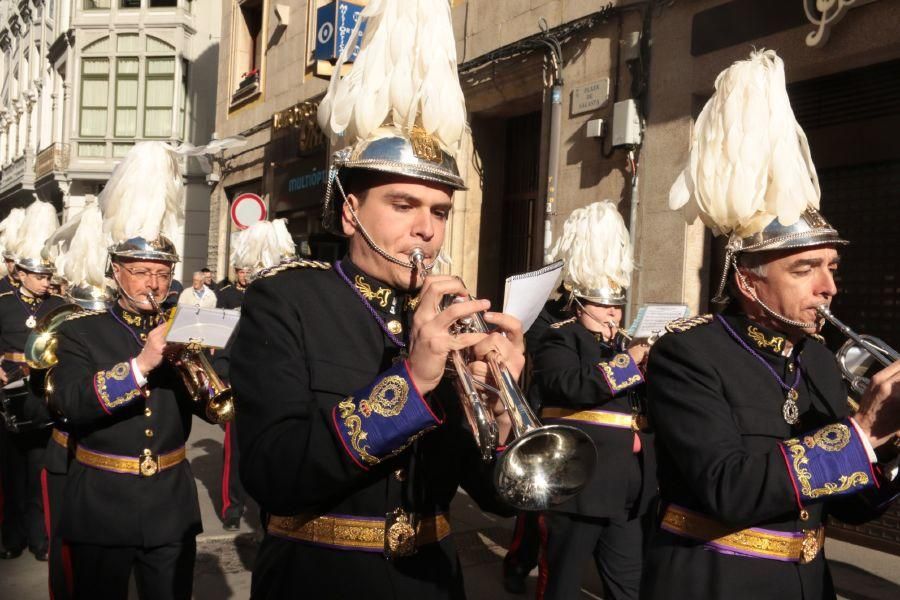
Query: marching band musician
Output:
(586,376)
(263,245)
(756,440)
(81,262)
(9,227)
(348,440)
(24,444)
(130,498)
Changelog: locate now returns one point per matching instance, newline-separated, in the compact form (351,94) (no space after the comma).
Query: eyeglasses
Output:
(145,275)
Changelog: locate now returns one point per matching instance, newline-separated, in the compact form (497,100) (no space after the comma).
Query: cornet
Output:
(202,382)
(543,465)
(859,353)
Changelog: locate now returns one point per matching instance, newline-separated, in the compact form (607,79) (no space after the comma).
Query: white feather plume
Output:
(262,245)
(39,224)
(144,196)
(83,260)
(596,248)
(749,160)
(405,73)
(9,229)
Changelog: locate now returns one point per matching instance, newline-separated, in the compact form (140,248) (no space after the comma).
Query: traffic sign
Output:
(247,209)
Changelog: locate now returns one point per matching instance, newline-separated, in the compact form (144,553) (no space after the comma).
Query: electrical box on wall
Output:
(595,128)
(626,128)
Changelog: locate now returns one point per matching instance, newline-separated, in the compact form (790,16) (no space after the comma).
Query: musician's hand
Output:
(152,354)
(639,352)
(879,408)
(430,340)
(3,376)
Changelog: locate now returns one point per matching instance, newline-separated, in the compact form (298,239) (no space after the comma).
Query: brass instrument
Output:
(202,382)
(40,347)
(859,353)
(543,465)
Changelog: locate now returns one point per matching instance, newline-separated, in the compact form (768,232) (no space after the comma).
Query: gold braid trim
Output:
(296,264)
(832,438)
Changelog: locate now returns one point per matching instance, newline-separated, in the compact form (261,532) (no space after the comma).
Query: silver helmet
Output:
(91,297)
(43,266)
(138,248)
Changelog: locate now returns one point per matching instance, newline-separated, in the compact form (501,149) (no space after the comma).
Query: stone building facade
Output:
(83,80)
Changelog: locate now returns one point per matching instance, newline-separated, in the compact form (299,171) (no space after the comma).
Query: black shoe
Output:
(514,580)
(232,523)
(40,555)
(10,554)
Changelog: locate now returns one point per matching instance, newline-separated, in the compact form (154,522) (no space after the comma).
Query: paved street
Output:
(224,558)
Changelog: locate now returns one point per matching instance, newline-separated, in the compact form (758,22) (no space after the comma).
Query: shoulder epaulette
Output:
(295,264)
(223,288)
(83,313)
(688,323)
(562,323)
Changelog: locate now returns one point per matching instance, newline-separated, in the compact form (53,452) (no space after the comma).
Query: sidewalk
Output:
(224,559)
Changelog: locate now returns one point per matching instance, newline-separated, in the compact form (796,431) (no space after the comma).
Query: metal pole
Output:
(633,232)
(552,167)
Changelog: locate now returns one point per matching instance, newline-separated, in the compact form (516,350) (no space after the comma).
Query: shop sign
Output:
(334,24)
(301,118)
(826,14)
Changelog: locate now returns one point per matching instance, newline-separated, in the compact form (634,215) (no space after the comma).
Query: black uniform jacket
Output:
(717,414)
(8,284)
(566,375)
(15,308)
(108,414)
(306,342)
(230,296)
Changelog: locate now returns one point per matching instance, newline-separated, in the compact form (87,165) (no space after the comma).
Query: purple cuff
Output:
(620,372)
(116,387)
(830,461)
(383,418)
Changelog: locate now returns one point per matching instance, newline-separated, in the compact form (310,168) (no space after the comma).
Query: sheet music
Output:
(525,294)
(652,318)
(210,327)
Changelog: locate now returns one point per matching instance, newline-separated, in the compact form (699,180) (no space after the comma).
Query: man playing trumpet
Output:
(349,441)
(586,376)
(756,440)
(130,500)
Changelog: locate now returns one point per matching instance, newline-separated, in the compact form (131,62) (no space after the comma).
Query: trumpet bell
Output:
(858,363)
(545,467)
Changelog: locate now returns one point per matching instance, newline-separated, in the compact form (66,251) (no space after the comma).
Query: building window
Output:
(96,4)
(182,123)
(94,96)
(126,97)
(248,51)
(129,3)
(163,3)
(158,96)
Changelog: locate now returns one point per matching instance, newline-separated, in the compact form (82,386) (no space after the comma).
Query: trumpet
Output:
(543,465)
(859,353)
(202,382)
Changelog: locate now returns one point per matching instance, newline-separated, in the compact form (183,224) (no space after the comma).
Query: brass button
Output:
(400,474)
(790,367)
(804,515)
(395,327)
(143,337)
(148,432)
(147,412)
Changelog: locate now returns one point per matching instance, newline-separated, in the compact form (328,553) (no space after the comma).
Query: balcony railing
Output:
(52,159)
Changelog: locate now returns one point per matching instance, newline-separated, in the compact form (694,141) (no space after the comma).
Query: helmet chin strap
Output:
(592,317)
(365,234)
(769,311)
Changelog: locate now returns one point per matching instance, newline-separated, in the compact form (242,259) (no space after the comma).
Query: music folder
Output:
(208,327)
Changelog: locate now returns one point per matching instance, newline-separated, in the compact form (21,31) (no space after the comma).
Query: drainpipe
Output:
(554,80)
(632,231)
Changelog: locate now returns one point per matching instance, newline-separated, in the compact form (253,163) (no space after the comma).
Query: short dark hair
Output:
(205,270)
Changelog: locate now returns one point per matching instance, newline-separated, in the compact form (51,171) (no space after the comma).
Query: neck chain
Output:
(340,271)
(789,410)
(31,321)
(127,327)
